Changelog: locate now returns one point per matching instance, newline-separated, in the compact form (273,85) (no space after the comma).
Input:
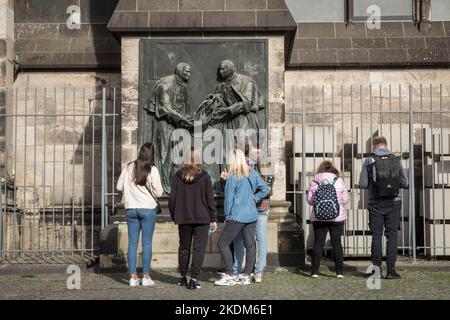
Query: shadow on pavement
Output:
(162,276)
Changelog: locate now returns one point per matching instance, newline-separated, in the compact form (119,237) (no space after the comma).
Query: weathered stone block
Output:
(317,56)
(434,204)
(130,54)
(437,236)
(319,139)
(222,19)
(334,43)
(411,30)
(274,19)
(3,44)
(364,43)
(188,20)
(311,166)
(406,43)
(353,56)
(315,30)
(129,87)
(130,20)
(387,30)
(428,55)
(383,56)
(202,5)
(2,97)
(128,4)
(246,4)
(58,45)
(168,5)
(65,32)
(272,237)
(353,30)
(130,114)
(36,30)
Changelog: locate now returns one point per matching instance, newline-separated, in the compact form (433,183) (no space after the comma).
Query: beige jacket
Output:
(135,196)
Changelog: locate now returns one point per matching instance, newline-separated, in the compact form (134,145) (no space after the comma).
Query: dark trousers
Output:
(384,216)
(229,233)
(321,229)
(187,232)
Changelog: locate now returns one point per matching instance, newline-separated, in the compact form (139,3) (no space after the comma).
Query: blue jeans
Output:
(261,239)
(137,220)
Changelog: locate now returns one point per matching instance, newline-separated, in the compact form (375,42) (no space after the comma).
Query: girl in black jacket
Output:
(193,208)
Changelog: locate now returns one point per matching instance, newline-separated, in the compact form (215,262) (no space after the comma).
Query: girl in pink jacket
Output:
(324,222)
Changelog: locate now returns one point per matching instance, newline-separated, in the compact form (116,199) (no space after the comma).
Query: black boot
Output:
(392,274)
(194,284)
(182,281)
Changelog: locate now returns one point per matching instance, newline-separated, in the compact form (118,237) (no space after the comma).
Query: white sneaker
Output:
(225,280)
(134,282)
(314,275)
(339,276)
(147,282)
(257,277)
(242,279)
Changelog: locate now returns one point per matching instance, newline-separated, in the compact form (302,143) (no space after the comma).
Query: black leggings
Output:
(229,233)
(199,233)
(336,230)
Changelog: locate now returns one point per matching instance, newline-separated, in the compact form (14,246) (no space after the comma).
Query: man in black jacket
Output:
(384,212)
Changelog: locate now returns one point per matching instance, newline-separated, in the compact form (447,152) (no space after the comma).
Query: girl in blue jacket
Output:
(244,188)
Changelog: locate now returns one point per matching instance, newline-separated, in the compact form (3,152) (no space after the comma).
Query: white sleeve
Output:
(121,179)
(154,182)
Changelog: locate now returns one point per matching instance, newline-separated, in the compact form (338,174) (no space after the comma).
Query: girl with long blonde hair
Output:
(243,189)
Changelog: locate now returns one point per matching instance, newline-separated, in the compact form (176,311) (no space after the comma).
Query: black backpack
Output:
(386,175)
(326,204)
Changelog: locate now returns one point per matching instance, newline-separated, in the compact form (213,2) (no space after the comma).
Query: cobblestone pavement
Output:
(416,283)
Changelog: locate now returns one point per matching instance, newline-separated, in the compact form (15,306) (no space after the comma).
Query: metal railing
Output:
(339,123)
(55,170)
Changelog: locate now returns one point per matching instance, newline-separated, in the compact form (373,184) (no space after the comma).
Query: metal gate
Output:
(58,172)
(339,123)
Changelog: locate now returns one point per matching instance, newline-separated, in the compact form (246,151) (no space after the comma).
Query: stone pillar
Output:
(284,235)
(130,90)
(6,64)
(6,82)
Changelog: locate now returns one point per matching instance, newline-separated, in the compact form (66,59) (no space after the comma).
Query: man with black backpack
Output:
(383,175)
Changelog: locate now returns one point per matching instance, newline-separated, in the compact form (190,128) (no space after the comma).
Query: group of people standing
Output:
(193,208)
(246,206)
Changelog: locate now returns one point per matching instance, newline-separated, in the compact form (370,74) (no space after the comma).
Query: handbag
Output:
(158,206)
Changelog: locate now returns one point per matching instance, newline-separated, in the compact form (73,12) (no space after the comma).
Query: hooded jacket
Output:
(192,203)
(242,195)
(341,192)
(367,176)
